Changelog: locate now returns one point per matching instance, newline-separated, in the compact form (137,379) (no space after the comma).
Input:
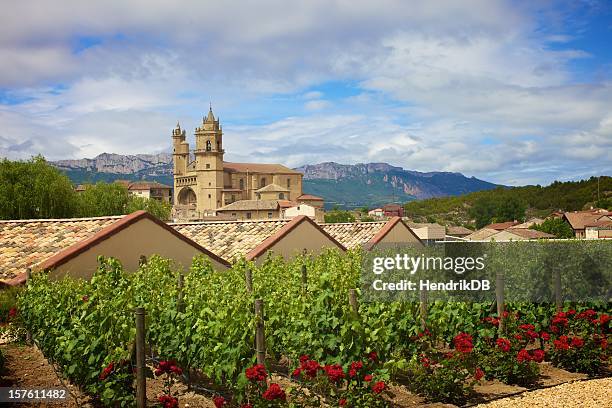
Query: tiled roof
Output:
(528,233)
(272,188)
(310,197)
(230,239)
(353,234)
(27,243)
(529,223)
(500,226)
(458,231)
(579,219)
(258,168)
(254,205)
(147,185)
(481,234)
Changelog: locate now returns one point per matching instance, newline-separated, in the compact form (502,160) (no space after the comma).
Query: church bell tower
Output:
(209,163)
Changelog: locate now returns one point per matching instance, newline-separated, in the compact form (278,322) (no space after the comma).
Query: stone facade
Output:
(204,183)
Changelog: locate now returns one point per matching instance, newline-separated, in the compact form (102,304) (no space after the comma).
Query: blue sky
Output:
(513,92)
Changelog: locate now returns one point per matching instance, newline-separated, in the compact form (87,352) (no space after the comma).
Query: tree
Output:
(555,226)
(483,211)
(103,199)
(510,209)
(157,208)
(336,215)
(34,189)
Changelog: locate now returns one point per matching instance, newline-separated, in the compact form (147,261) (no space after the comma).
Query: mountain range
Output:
(345,185)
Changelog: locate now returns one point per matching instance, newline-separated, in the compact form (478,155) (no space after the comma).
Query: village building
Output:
(204,183)
(252,240)
(376,213)
(519,234)
(370,234)
(579,220)
(500,226)
(429,232)
(145,189)
(393,210)
(458,231)
(601,229)
(315,213)
(481,235)
(70,247)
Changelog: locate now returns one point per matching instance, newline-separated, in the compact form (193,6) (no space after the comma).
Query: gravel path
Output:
(591,393)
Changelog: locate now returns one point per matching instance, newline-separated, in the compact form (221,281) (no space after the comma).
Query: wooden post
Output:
(142,260)
(141,385)
(248,276)
(558,294)
(260,339)
(423,308)
(499,296)
(180,303)
(304,278)
(353,301)
(28,278)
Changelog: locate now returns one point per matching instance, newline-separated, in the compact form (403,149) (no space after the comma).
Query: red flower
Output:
(168,401)
(342,402)
(463,343)
(537,355)
(107,371)
(85,298)
(522,356)
(532,335)
(296,372)
(478,374)
(561,343)
(219,401)
(503,344)
(304,358)
(577,342)
(545,336)
(425,361)
(379,387)
(493,320)
(246,405)
(589,314)
(310,367)
(355,367)
(373,356)
(334,372)
(176,370)
(257,373)
(12,313)
(527,327)
(367,378)
(571,312)
(274,392)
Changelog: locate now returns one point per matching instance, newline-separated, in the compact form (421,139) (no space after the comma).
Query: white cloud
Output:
(434,79)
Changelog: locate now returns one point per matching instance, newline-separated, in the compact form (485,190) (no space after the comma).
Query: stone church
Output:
(205,185)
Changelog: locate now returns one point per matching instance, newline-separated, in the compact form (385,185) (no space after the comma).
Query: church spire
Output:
(210,117)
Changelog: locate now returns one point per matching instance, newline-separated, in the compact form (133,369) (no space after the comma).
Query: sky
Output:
(512,92)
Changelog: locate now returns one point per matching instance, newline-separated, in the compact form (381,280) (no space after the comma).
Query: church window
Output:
(209,196)
(281,196)
(288,183)
(262,183)
(219,146)
(207,165)
(248,215)
(233,198)
(208,146)
(242,184)
(270,214)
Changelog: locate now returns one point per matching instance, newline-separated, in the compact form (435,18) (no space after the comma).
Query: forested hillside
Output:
(504,204)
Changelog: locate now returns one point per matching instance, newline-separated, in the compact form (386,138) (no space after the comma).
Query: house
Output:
(529,223)
(150,190)
(315,213)
(252,239)
(428,232)
(369,234)
(458,231)
(481,235)
(500,226)
(393,210)
(377,213)
(252,210)
(519,234)
(311,200)
(70,247)
(578,220)
(601,229)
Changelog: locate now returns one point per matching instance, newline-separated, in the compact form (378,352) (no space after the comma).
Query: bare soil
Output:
(26,367)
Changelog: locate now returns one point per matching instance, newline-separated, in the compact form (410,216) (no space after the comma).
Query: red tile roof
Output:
(258,168)
(500,226)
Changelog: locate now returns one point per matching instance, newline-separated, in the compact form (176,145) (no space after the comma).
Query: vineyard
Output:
(331,348)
